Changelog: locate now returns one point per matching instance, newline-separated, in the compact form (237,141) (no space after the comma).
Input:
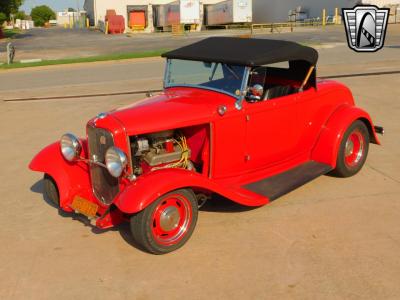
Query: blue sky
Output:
(56,5)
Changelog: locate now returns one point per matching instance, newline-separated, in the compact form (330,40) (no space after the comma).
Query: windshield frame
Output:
(239,97)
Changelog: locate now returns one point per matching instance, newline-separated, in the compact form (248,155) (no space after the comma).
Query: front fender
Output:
(149,187)
(327,146)
(71,178)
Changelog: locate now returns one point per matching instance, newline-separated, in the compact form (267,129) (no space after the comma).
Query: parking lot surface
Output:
(139,74)
(331,239)
(59,43)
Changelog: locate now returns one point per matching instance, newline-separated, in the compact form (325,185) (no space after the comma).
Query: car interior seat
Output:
(276,91)
(277,82)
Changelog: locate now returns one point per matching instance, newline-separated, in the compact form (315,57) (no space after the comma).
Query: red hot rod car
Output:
(243,118)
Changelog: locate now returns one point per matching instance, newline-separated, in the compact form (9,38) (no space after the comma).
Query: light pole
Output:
(78,19)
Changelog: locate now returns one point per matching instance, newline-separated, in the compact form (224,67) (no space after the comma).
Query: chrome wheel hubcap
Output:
(349,147)
(354,148)
(169,218)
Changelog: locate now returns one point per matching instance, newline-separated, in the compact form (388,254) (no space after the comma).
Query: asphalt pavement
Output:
(56,42)
(59,43)
(138,74)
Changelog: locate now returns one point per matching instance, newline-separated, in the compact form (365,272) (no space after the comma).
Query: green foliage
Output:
(3,18)
(70,9)
(9,33)
(42,14)
(10,6)
(20,15)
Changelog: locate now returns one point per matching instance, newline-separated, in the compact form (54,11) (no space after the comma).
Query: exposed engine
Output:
(166,149)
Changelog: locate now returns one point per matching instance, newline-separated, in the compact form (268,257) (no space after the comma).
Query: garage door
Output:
(137,19)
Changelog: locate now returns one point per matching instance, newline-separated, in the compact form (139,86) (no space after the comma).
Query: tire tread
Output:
(50,190)
(341,169)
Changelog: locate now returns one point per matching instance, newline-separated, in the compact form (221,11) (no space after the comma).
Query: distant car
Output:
(243,118)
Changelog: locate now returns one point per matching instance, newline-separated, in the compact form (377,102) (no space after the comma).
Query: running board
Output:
(283,183)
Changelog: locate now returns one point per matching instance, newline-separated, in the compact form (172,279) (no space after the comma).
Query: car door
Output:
(228,134)
(314,112)
(272,131)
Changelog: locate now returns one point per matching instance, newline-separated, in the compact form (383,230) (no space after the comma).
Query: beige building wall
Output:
(120,6)
(381,3)
(96,9)
(264,11)
(269,11)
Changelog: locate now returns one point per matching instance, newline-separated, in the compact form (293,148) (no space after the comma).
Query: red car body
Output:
(234,147)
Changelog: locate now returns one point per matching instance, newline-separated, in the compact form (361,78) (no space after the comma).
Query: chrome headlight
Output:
(70,147)
(115,161)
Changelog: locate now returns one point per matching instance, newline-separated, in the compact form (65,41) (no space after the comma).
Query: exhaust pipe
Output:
(379,130)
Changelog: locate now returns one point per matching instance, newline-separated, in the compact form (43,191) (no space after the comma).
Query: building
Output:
(275,11)
(71,18)
(270,11)
(140,11)
(381,3)
(97,10)
(148,14)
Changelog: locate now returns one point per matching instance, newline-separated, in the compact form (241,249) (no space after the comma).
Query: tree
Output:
(10,6)
(42,14)
(71,9)
(3,18)
(20,15)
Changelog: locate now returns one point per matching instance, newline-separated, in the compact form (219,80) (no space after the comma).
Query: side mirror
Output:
(256,92)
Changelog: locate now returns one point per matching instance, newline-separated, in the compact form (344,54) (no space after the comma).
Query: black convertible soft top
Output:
(244,51)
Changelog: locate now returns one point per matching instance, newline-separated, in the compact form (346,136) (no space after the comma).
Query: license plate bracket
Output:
(84,207)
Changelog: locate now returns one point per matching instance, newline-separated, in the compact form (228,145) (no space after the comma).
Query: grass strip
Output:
(9,33)
(120,56)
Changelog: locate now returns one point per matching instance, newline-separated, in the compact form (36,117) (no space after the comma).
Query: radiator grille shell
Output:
(105,187)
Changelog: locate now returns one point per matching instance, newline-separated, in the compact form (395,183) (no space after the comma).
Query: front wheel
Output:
(167,223)
(353,150)
(50,190)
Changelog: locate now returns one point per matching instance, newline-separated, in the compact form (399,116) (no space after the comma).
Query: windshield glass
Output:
(215,76)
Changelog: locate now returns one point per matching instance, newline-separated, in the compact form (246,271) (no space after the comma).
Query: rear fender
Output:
(327,146)
(71,178)
(147,188)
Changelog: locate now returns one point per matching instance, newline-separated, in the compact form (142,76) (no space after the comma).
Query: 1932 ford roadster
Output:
(230,121)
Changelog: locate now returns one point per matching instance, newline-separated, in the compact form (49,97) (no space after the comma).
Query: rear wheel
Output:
(51,190)
(166,224)
(353,150)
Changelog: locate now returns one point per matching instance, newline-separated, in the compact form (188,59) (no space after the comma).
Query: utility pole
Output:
(95,13)
(78,19)
(10,53)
